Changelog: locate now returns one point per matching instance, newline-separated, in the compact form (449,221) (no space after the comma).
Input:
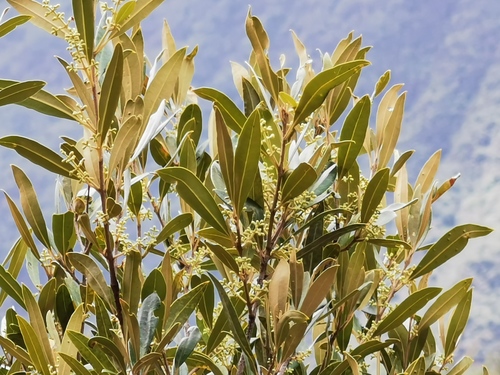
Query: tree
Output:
(270,252)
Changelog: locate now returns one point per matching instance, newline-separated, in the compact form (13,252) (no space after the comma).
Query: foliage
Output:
(260,249)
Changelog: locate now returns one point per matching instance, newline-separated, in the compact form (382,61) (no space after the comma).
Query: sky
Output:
(446,52)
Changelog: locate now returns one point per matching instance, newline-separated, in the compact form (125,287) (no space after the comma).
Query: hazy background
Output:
(447,52)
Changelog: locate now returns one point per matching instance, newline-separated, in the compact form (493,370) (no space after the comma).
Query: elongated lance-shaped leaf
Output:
(318,290)
(21,225)
(96,357)
(406,309)
(278,289)
(111,349)
(162,85)
(462,366)
(260,44)
(392,131)
(246,160)
(17,352)
(175,225)
(148,321)
(375,191)
(20,91)
(31,207)
(124,144)
(444,303)
(15,261)
(131,283)
(39,16)
(426,176)
(226,153)
(318,88)
(34,346)
(44,102)
(354,129)
(37,154)
(233,117)
(73,364)
(196,195)
(457,324)
(10,286)
(451,244)
(235,325)
(142,9)
(95,278)
(183,307)
(298,181)
(110,93)
(67,347)
(398,164)
(382,83)
(186,346)
(11,24)
(63,230)
(83,11)
(372,346)
(154,283)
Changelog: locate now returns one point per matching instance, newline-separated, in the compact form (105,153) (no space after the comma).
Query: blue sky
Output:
(446,52)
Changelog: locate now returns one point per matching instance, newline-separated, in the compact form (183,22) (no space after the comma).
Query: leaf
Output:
(63,230)
(389,242)
(148,321)
(191,120)
(374,193)
(278,289)
(354,129)
(371,346)
(224,256)
(318,290)
(214,235)
(162,85)
(124,12)
(196,195)
(298,181)
(83,12)
(406,309)
(76,366)
(235,325)
(20,354)
(226,153)
(451,244)
(155,282)
(142,9)
(183,307)
(9,285)
(67,347)
(232,115)
(246,160)
(11,24)
(134,201)
(318,88)
(15,260)
(21,225)
(39,16)
(462,366)
(31,207)
(64,306)
(382,83)
(124,144)
(110,91)
(131,282)
(20,91)
(206,305)
(457,324)
(110,348)
(97,358)
(444,303)
(428,172)
(417,367)
(398,164)
(95,279)
(186,346)
(34,347)
(175,225)
(37,154)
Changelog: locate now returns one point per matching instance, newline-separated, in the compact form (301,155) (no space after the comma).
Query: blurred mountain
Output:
(447,53)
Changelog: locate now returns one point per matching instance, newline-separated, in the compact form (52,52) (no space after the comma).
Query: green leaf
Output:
(206,305)
(186,346)
(318,290)
(371,346)
(110,348)
(318,88)
(9,285)
(163,84)
(196,195)
(391,131)
(298,181)
(37,154)
(34,347)
(183,307)
(63,230)
(382,83)
(154,283)
(15,259)
(451,244)
(11,24)
(231,114)
(142,9)
(76,366)
(95,279)
(83,11)
(97,358)
(214,235)
(191,120)
(401,161)
(173,226)
(417,367)
(67,347)
(354,129)
(246,160)
(39,16)
(124,144)
(110,92)
(462,366)
(225,257)
(389,242)
(64,306)
(235,325)
(124,12)
(31,207)
(103,321)
(131,283)
(20,91)
(148,321)
(444,303)
(20,354)
(135,198)
(197,361)
(457,323)
(225,151)
(375,191)
(406,309)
